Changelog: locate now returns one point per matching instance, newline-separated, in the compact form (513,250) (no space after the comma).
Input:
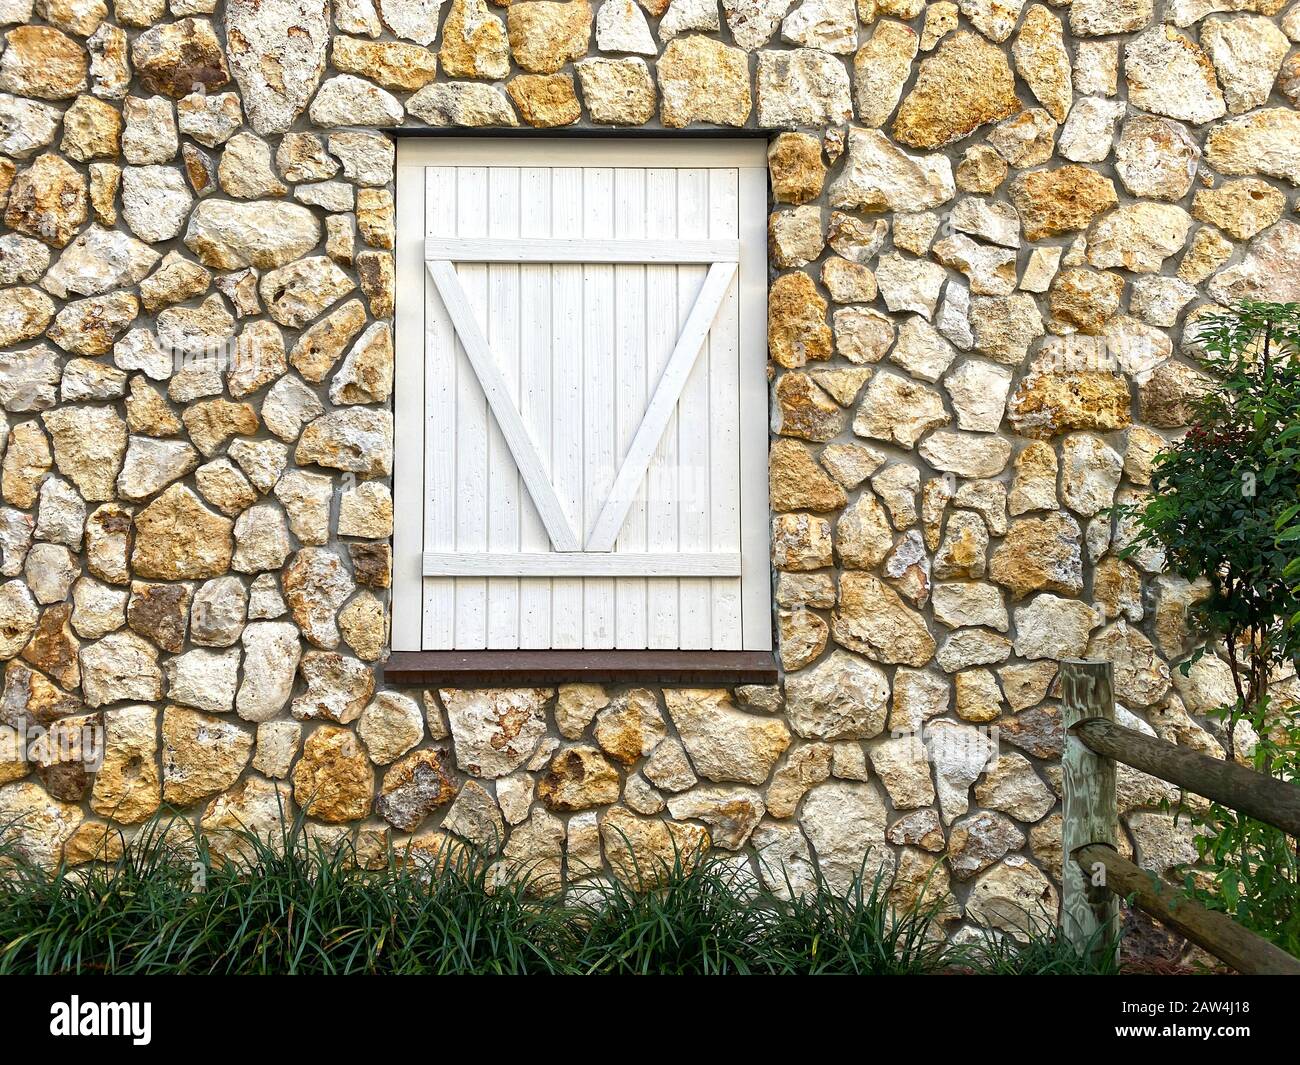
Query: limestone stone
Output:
(848,282)
(271,656)
(803,87)
(545,100)
(804,768)
(880,177)
(1042,60)
(1246,53)
(178,538)
(413,788)
(42,63)
(966,83)
(630,726)
(1242,208)
(256,807)
(1267,272)
(795,237)
(26,127)
(617,91)
(201,755)
(881,67)
(1141,675)
(1138,237)
(263,234)
(121,666)
(390,726)
(621,27)
(47,199)
(703,80)
(177,57)
(296,294)
(1169,75)
(578,778)
(1011,786)
(643,851)
(872,619)
(277,55)
(354,440)
(1089,130)
(1090,473)
(725,744)
(843,697)
(880,415)
(981,170)
(1262,142)
(495,730)
(209,118)
(805,411)
(98,608)
(1156,158)
(845,823)
(333,780)
(462,104)
(1167,398)
(1097,18)
(1026,139)
(1040,554)
(277,746)
(1062,200)
(1048,403)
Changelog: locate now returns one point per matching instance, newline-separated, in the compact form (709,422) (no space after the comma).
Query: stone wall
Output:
(992,224)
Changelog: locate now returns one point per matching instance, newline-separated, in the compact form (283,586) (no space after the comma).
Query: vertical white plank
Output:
(535,384)
(503,339)
(408,413)
(440,415)
(473,488)
(724,415)
(632,379)
(693,418)
(661,478)
(756,577)
(598,407)
(567,415)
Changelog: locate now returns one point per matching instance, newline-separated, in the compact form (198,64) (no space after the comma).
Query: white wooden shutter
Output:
(581,396)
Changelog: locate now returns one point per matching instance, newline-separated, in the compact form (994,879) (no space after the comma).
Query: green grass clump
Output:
(295,907)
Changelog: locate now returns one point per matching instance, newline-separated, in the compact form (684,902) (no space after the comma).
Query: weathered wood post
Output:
(1089,912)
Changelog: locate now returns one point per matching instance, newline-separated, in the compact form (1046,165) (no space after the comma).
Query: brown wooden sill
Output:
(511,668)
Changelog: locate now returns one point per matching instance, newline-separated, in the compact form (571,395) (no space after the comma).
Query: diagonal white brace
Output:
(512,425)
(698,323)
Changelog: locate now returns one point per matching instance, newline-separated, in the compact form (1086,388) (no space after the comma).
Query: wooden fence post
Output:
(1089,912)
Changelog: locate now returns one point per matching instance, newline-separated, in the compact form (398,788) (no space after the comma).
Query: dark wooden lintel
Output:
(513,668)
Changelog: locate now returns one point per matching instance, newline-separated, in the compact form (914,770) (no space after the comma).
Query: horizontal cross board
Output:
(579,564)
(546,250)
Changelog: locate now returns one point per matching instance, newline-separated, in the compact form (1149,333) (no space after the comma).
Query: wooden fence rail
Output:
(1095,875)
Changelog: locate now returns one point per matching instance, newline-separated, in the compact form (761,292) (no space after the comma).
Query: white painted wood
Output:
(562,151)
(568,408)
(600,358)
(663,601)
(480,355)
(724,421)
(695,623)
(685,352)
(581,564)
(503,327)
(632,392)
(580,344)
(442,364)
(473,409)
(595,250)
(756,577)
(535,393)
(408,410)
